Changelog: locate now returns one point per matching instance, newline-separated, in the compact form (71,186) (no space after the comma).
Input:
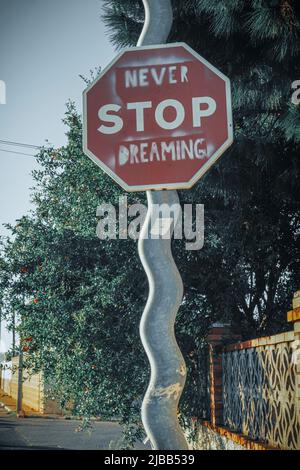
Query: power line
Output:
(17,153)
(19,144)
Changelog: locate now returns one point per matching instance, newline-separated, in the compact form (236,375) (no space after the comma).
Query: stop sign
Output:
(157,117)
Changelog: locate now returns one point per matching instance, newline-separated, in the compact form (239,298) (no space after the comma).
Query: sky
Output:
(44,47)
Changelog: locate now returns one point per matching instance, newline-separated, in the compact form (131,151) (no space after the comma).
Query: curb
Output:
(25,415)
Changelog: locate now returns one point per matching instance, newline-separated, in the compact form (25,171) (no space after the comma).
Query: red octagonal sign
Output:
(158,117)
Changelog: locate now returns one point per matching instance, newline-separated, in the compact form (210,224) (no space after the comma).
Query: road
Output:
(52,434)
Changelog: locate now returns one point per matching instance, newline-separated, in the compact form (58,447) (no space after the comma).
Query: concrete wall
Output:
(208,439)
(33,389)
(205,436)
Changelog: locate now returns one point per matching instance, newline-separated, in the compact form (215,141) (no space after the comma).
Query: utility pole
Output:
(19,410)
(20,382)
(14,334)
(0,344)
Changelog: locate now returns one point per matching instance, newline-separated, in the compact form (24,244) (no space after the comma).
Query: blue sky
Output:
(44,46)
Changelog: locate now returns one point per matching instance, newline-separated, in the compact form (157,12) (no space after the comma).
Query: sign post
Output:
(156,119)
(168,369)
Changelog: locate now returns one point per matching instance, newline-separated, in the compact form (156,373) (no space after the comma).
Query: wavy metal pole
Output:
(168,371)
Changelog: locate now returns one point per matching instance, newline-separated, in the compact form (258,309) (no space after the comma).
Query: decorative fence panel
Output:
(260,398)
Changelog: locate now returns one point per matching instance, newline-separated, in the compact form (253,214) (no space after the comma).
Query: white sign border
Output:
(205,167)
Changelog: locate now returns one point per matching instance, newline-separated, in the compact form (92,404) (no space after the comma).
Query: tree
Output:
(78,298)
(249,266)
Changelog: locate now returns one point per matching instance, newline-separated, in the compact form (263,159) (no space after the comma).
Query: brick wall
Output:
(215,434)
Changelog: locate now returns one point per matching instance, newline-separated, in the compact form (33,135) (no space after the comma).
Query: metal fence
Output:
(260,390)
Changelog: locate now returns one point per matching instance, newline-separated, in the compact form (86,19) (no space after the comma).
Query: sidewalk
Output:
(10,405)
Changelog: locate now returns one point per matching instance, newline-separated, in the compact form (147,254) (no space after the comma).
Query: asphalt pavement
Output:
(56,433)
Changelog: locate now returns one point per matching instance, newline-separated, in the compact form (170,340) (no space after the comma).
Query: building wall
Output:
(33,389)
(5,378)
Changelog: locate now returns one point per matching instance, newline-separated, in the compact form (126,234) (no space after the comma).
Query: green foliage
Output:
(290,124)
(78,299)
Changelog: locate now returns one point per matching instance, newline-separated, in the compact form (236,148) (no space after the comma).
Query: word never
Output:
(146,76)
